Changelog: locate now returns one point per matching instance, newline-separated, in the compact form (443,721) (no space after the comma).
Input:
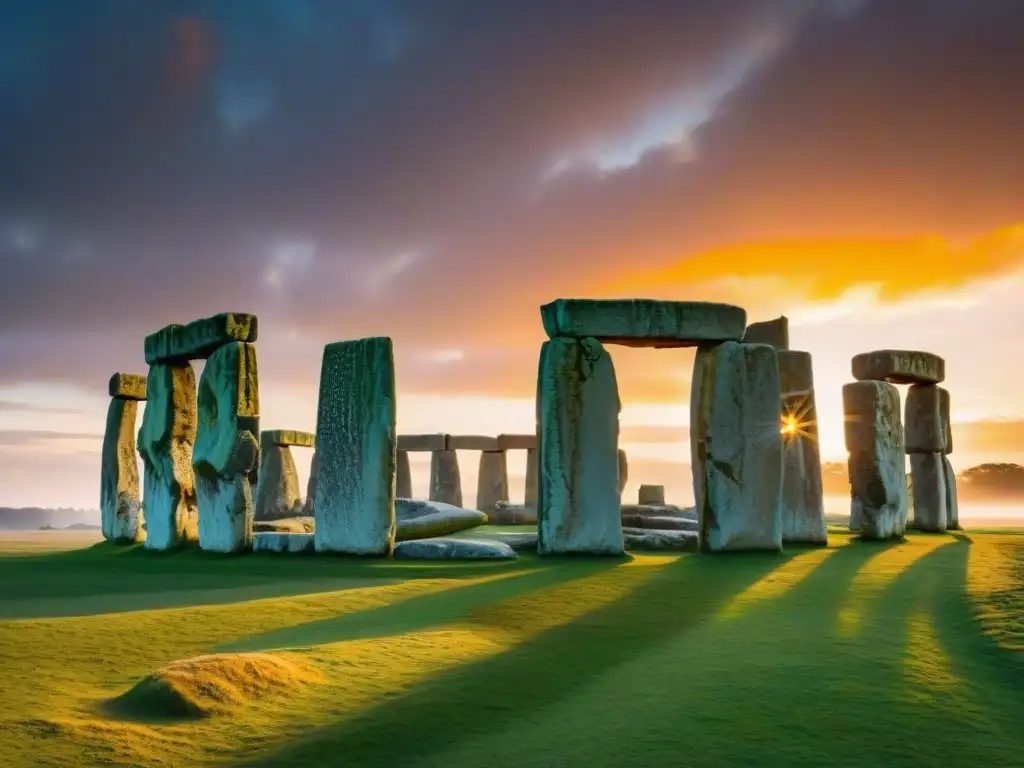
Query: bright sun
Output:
(789,425)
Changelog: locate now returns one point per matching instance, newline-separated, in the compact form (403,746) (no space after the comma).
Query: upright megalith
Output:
(736,447)
(166,438)
(874,438)
(445,478)
(926,427)
(929,489)
(952,503)
(528,443)
(578,407)
(622,462)
(651,495)
(775,333)
(226,447)
(531,492)
(309,507)
(803,503)
(403,475)
(277,494)
(356,445)
(120,501)
(492,480)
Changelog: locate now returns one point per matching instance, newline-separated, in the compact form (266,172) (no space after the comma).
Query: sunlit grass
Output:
(995,583)
(780,580)
(928,665)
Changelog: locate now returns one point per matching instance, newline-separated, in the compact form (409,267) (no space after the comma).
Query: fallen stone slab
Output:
(200,338)
(291,437)
(421,519)
(283,542)
(472,443)
(517,442)
(899,366)
(127,386)
(661,541)
(355,439)
(651,494)
(952,503)
(507,513)
(297,524)
(525,541)
(659,523)
(120,500)
(736,447)
(277,493)
(453,549)
(578,406)
(775,333)
(423,443)
(644,322)
(445,478)
(929,491)
(659,510)
(924,428)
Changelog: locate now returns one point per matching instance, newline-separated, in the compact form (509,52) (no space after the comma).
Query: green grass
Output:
(859,654)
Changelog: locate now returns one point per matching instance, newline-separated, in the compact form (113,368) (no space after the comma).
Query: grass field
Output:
(855,655)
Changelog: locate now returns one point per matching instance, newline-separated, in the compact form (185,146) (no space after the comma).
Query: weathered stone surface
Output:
(403,476)
(899,366)
(660,522)
(923,419)
(622,464)
(507,513)
(309,507)
(277,494)
(492,480)
(641,539)
(929,492)
(199,339)
(419,519)
(660,510)
(166,438)
(874,437)
(774,333)
(472,443)
(226,448)
(643,322)
(445,478)
(298,524)
(803,503)
(736,447)
(453,549)
(127,386)
(288,437)
(120,502)
(423,443)
(651,494)
(944,415)
(578,510)
(531,492)
(356,447)
(517,442)
(520,541)
(952,502)
(283,542)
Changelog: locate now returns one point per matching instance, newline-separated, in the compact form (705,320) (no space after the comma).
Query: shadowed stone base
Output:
(929,490)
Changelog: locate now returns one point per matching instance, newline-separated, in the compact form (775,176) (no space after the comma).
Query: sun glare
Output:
(790,425)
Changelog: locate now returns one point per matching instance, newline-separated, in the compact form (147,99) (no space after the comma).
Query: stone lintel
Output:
(517,442)
(288,437)
(200,338)
(423,443)
(899,366)
(472,443)
(127,386)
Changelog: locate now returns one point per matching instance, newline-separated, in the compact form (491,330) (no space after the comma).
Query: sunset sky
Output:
(434,171)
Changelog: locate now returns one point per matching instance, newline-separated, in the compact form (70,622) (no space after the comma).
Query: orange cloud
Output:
(825,269)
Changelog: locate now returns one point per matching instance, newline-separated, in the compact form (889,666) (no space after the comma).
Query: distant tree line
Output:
(983,481)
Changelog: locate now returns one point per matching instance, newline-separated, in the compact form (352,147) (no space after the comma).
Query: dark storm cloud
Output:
(353,168)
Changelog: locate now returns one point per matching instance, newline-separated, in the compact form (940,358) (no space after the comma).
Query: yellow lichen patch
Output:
(927,665)
(995,573)
(777,582)
(878,572)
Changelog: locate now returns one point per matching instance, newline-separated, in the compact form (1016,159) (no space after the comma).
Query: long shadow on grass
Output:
(487,696)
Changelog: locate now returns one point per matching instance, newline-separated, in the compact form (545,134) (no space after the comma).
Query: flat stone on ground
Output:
(660,522)
(899,366)
(283,542)
(423,443)
(507,513)
(200,338)
(421,519)
(774,333)
(659,510)
(520,541)
(472,443)
(288,437)
(644,322)
(127,386)
(453,549)
(517,442)
(661,541)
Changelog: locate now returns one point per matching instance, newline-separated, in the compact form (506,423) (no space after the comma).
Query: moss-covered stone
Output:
(200,338)
(120,501)
(292,437)
(127,386)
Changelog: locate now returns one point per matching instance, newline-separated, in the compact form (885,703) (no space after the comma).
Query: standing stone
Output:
(736,447)
(952,503)
(803,502)
(445,479)
(924,419)
(878,477)
(944,415)
(226,447)
(929,490)
(277,493)
(532,477)
(622,462)
(356,444)
(578,509)
(120,505)
(403,476)
(652,494)
(775,333)
(309,508)
(166,438)
(492,480)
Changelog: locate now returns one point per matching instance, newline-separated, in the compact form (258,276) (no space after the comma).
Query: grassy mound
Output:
(212,684)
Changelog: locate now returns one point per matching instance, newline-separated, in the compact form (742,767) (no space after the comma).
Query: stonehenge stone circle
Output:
(199,339)
(736,446)
(803,501)
(356,446)
(775,333)
(578,510)
(929,489)
(651,494)
(492,480)
(226,447)
(643,322)
(277,493)
(874,438)
(899,366)
(445,478)
(165,443)
(120,500)
(403,475)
